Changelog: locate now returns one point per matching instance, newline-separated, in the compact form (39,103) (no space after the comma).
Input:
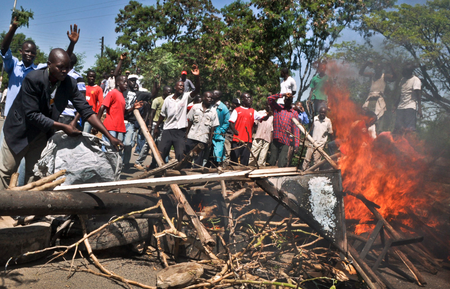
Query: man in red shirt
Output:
(241,123)
(94,96)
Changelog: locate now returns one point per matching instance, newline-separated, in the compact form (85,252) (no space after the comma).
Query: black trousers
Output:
(175,138)
(239,151)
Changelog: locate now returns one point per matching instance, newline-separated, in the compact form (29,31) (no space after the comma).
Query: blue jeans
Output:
(118,135)
(129,141)
(87,127)
(139,143)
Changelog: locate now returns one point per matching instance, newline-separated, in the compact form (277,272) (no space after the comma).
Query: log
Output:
(40,182)
(203,234)
(364,269)
(316,146)
(315,166)
(22,203)
(48,186)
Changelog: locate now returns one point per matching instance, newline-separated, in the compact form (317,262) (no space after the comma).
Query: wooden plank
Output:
(228,176)
(371,239)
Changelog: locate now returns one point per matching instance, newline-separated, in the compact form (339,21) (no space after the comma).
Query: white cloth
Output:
(288,85)
(322,128)
(234,115)
(175,111)
(407,88)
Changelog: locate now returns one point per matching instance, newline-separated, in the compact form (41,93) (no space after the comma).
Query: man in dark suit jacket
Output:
(33,116)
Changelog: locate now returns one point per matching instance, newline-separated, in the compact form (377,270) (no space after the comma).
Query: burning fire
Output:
(387,170)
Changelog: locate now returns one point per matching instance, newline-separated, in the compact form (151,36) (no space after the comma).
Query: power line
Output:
(73,10)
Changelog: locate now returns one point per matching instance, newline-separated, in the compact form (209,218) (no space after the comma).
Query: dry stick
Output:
(40,182)
(419,278)
(189,156)
(49,185)
(161,253)
(13,181)
(315,166)
(203,234)
(109,276)
(315,145)
(364,269)
(237,194)
(157,170)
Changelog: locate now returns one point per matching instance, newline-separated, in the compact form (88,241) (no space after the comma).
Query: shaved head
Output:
(58,64)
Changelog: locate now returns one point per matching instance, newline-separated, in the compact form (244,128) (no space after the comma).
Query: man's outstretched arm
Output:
(74,35)
(9,36)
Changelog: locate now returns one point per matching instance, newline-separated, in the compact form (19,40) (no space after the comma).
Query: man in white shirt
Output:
(288,84)
(321,128)
(409,103)
(174,110)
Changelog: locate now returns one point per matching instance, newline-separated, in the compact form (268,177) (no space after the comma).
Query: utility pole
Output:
(102,43)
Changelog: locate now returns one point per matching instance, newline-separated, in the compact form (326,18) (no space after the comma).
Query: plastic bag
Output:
(82,157)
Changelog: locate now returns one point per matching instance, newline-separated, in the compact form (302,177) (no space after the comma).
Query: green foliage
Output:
(23,16)
(424,32)
(239,48)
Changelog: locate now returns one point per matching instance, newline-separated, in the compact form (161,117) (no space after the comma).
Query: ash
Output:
(323,202)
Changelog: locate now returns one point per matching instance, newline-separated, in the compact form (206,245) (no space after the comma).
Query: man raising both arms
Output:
(43,96)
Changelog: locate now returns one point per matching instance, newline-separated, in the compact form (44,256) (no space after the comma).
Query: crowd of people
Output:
(53,96)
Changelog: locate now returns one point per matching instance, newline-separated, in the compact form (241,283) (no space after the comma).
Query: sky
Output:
(52,20)
(95,19)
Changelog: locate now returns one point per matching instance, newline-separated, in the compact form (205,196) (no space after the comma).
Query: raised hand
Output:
(195,70)
(74,33)
(123,56)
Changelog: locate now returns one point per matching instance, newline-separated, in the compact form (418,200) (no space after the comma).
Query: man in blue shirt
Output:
(17,70)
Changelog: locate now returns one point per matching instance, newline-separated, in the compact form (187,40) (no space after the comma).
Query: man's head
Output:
(121,83)
(138,71)
(207,98)
(227,104)
(132,82)
(28,52)
(217,94)
(127,73)
(179,87)
(321,68)
(371,117)
(58,64)
(167,90)
(111,73)
(73,60)
(246,99)
(299,106)
(408,70)
(91,77)
(183,75)
(322,112)
(235,103)
(288,99)
(284,72)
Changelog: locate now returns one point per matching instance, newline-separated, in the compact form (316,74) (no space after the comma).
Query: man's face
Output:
(300,107)
(322,68)
(122,83)
(59,68)
(179,88)
(91,78)
(288,99)
(167,91)
(111,73)
(28,52)
(132,83)
(227,104)
(216,95)
(322,113)
(207,98)
(183,77)
(246,99)
(138,70)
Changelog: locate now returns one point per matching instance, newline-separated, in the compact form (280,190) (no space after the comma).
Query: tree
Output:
(108,62)
(424,32)
(240,47)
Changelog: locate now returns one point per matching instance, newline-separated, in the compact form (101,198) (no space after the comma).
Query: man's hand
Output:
(116,143)
(138,104)
(156,132)
(195,70)
(74,34)
(295,150)
(419,111)
(123,56)
(71,130)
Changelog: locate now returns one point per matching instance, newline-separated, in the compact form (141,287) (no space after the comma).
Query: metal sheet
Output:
(317,199)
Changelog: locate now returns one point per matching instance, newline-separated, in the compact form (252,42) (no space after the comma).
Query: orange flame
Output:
(387,170)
